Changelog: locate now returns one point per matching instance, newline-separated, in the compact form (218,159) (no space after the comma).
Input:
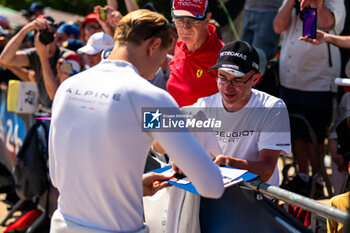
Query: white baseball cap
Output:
(96,43)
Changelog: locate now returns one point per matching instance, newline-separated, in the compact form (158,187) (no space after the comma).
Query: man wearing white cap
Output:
(94,47)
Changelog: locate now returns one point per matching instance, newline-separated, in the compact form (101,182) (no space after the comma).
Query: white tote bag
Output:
(156,210)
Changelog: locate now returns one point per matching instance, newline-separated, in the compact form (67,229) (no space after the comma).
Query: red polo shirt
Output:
(189,77)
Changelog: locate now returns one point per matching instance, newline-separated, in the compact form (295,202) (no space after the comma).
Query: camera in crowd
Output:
(46,36)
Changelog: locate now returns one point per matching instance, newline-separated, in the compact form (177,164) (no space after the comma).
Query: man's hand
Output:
(158,148)
(113,17)
(320,38)
(43,50)
(112,20)
(62,75)
(153,182)
(310,3)
(37,24)
(97,11)
(176,169)
(224,160)
(31,76)
(11,54)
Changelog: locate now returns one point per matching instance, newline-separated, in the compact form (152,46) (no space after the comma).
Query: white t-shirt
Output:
(97,149)
(262,124)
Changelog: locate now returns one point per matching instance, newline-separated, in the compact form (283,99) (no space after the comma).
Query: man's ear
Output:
(208,17)
(153,45)
(256,78)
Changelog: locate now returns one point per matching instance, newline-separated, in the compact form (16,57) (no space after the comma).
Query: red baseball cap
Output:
(190,8)
(91,17)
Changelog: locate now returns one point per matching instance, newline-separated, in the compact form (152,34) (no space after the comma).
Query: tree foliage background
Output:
(84,7)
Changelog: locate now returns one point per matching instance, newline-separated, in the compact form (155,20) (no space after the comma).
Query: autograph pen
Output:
(178,176)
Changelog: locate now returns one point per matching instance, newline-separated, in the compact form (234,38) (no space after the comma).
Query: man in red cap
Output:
(196,51)
(91,25)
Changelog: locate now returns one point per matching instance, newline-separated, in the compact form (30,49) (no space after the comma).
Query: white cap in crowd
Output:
(96,43)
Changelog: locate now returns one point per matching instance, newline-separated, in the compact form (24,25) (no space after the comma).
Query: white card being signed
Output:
(228,175)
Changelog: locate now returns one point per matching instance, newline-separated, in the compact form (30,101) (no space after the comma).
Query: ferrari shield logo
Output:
(199,73)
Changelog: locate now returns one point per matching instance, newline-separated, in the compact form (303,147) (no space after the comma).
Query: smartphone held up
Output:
(310,22)
(102,13)
(67,67)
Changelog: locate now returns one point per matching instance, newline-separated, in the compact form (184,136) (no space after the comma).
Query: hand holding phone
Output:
(310,22)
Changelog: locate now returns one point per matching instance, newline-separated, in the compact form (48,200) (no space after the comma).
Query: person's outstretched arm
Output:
(51,81)
(153,182)
(10,56)
(264,166)
(324,37)
(22,73)
(281,21)
(131,5)
(189,156)
(113,3)
(192,160)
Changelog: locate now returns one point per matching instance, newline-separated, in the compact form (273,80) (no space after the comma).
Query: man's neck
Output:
(131,53)
(119,52)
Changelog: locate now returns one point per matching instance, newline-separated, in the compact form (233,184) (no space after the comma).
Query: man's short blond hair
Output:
(140,25)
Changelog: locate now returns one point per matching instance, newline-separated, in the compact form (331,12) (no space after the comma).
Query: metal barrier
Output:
(316,208)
